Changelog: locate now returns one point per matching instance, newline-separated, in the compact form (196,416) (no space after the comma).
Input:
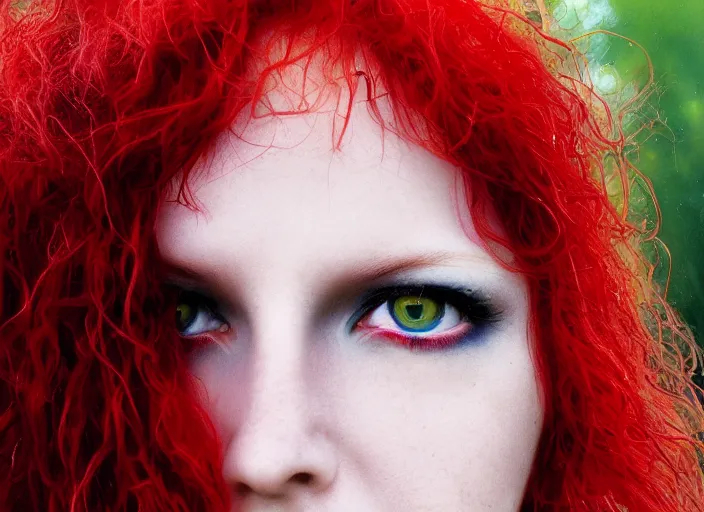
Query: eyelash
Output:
(475,310)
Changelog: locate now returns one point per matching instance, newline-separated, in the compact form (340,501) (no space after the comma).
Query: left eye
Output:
(196,314)
(425,317)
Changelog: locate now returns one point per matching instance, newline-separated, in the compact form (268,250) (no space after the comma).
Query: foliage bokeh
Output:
(669,145)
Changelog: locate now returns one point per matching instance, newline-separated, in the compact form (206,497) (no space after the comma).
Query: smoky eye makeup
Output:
(424,316)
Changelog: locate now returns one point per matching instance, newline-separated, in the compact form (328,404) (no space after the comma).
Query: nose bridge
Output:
(279,328)
(278,378)
(278,392)
(280,438)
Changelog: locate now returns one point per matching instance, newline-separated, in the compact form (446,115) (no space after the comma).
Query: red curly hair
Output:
(104,102)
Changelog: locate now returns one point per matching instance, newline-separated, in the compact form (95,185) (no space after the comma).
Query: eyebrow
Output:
(170,270)
(381,268)
(374,269)
(359,275)
(205,283)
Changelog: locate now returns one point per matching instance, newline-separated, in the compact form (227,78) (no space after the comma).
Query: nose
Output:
(280,446)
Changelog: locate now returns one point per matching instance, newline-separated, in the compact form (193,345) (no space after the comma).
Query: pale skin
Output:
(317,409)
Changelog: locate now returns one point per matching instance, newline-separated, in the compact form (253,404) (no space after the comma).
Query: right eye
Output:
(196,315)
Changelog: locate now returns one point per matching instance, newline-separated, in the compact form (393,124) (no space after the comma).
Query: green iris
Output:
(416,313)
(185,315)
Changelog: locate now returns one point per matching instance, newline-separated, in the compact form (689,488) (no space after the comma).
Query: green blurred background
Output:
(671,147)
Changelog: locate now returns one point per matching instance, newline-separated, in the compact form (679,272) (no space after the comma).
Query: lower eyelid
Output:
(458,330)
(447,339)
(203,341)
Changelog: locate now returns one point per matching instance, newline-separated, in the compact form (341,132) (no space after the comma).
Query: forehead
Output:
(275,166)
(281,182)
(312,111)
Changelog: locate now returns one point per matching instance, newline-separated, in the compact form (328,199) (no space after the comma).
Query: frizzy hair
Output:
(103,103)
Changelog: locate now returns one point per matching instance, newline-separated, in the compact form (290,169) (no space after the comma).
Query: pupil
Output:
(415,311)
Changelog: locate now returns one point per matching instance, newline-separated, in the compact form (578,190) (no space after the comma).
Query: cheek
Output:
(220,387)
(444,430)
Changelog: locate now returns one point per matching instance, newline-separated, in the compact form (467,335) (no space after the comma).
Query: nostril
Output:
(243,490)
(302,478)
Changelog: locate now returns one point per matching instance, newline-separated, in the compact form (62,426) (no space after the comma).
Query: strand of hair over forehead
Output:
(102,103)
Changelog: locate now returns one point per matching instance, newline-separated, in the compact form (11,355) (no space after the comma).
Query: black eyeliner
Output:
(475,306)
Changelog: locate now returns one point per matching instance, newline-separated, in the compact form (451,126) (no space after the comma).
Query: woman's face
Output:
(363,352)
